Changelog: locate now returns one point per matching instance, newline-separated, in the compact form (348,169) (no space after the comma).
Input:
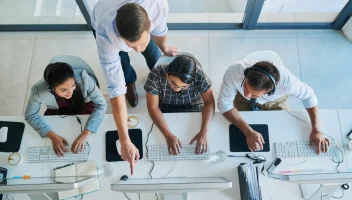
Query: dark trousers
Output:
(151,55)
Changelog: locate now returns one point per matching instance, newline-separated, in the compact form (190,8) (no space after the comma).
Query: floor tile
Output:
(270,33)
(227,33)
(65,35)
(15,56)
(17,35)
(325,66)
(318,33)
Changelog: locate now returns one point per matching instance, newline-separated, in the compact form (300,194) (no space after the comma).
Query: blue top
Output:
(40,95)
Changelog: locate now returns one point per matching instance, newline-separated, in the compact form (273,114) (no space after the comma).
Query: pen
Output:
(22,177)
(303,170)
(63,166)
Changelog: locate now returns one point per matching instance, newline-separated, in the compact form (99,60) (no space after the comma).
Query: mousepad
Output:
(238,139)
(14,136)
(110,144)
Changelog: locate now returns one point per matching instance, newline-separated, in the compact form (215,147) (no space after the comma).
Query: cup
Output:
(14,159)
(105,170)
(219,156)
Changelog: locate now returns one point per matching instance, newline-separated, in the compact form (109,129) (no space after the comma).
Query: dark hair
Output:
(131,21)
(260,81)
(184,67)
(56,74)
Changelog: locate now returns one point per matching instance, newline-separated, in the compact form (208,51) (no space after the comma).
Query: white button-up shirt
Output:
(110,43)
(289,84)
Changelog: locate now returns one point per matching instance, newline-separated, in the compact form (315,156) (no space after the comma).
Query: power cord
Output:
(344,187)
(126,196)
(153,164)
(277,190)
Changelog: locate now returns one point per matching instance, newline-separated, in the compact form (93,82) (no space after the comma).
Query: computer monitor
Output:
(315,186)
(43,184)
(171,188)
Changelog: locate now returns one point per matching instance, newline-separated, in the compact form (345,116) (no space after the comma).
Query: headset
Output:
(186,76)
(253,68)
(47,73)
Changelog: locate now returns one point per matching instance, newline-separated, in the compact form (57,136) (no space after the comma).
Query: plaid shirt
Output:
(189,100)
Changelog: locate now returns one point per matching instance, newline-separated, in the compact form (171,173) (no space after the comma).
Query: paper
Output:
(69,174)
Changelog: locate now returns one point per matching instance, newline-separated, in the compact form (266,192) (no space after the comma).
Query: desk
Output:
(346,127)
(282,127)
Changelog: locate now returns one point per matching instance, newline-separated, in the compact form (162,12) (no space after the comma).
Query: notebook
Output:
(88,168)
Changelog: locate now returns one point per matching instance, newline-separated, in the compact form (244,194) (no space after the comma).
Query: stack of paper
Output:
(248,176)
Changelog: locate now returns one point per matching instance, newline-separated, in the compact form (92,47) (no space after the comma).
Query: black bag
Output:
(248,176)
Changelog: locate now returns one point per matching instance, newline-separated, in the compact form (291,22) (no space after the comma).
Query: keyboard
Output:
(161,153)
(301,149)
(46,154)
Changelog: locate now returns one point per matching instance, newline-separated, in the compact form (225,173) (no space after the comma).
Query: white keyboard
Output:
(301,149)
(46,154)
(161,153)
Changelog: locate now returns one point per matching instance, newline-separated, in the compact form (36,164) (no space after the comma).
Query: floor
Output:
(319,57)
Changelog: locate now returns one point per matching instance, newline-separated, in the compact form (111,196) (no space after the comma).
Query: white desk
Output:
(346,127)
(282,127)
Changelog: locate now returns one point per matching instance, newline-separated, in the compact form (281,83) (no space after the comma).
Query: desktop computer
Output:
(171,188)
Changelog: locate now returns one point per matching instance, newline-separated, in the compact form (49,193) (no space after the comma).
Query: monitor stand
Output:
(318,191)
(174,196)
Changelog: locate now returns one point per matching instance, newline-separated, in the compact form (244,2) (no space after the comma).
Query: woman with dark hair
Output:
(65,91)
(180,86)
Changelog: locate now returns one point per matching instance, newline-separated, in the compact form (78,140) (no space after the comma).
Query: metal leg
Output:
(174,196)
(44,193)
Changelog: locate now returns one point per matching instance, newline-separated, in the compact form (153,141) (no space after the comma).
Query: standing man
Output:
(120,26)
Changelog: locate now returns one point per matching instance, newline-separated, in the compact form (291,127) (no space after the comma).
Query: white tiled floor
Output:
(319,57)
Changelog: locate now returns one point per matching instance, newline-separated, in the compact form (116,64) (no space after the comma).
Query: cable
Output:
(126,196)
(343,194)
(146,147)
(153,164)
(277,191)
(172,169)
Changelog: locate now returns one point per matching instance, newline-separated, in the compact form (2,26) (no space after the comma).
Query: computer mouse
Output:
(124,178)
(118,147)
(3,134)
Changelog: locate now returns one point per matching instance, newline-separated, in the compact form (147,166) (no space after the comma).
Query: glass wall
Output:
(183,14)
(40,12)
(206,11)
(299,11)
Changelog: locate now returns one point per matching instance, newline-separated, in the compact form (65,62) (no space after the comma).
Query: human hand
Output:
(58,142)
(202,142)
(173,143)
(254,140)
(320,140)
(129,153)
(80,141)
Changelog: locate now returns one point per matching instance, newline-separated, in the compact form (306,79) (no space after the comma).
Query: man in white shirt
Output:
(120,26)
(259,85)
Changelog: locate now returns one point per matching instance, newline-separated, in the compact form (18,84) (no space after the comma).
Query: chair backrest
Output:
(76,63)
(266,55)
(166,59)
